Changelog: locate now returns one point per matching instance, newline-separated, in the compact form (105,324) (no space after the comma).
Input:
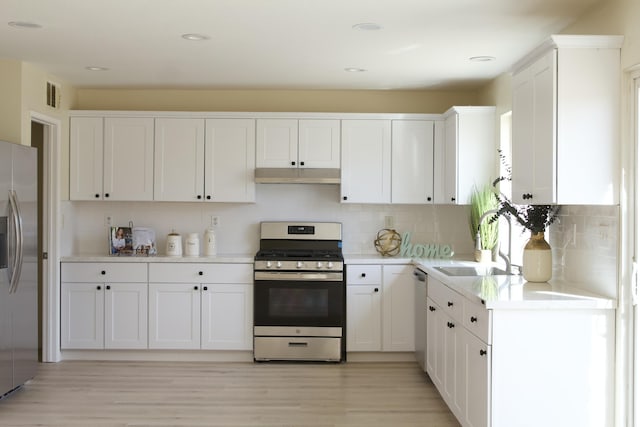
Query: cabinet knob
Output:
(527,196)
(449,304)
(293,163)
(98,287)
(432,308)
(473,319)
(103,272)
(428,198)
(204,288)
(208,197)
(363,275)
(198,197)
(375,290)
(106,194)
(344,197)
(107,287)
(200,273)
(97,196)
(195,288)
(301,163)
(483,352)
(450,325)
(453,199)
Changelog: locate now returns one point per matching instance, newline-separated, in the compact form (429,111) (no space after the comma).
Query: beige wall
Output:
(10,102)
(354,101)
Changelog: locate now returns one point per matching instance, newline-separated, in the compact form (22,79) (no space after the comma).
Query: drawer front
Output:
(364,275)
(102,272)
(477,319)
(181,273)
(450,301)
(231,273)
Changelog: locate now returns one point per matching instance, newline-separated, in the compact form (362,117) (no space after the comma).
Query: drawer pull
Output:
(200,273)
(473,319)
(107,287)
(298,344)
(449,304)
(483,352)
(204,288)
(363,275)
(375,290)
(450,325)
(103,272)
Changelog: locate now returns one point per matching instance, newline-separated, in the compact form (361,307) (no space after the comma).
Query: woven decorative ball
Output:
(388,242)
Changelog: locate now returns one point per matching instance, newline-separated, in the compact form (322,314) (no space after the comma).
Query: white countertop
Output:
(514,292)
(218,259)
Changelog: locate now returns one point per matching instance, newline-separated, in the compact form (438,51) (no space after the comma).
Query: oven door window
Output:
(298,304)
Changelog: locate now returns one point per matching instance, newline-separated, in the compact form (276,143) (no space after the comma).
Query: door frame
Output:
(50,267)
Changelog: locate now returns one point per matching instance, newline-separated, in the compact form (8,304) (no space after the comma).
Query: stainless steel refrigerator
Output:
(18,265)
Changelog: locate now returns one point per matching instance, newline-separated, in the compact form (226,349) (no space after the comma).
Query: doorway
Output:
(45,136)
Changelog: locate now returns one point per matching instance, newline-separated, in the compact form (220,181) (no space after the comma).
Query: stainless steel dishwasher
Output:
(420,279)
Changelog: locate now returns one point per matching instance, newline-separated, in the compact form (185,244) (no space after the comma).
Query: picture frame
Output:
(144,241)
(120,241)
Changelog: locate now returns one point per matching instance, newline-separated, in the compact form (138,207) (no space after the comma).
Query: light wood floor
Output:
(226,394)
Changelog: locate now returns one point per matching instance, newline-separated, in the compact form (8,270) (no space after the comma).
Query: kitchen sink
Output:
(471,271)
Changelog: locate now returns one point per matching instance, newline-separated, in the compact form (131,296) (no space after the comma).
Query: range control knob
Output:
(278,264)
(329,264)
(299,264)
(319,264)
(268,264)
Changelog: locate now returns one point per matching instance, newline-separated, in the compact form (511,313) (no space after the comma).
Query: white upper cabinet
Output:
(311,143)
(366,161)
(469,153)
(179,160)
(565,122)
(230,153)
(412,161)
(204,160)
(111,158)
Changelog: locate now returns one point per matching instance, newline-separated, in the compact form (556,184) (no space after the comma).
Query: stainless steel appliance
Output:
(299,304)
(18,265)
(420,279)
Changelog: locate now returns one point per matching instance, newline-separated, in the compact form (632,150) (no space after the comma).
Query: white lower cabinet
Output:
(103,305)
(380,309)
(193,306)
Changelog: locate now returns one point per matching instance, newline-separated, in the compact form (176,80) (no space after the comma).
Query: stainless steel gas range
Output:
(299,293)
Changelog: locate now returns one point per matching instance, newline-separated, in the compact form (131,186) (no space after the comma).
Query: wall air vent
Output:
(53,95)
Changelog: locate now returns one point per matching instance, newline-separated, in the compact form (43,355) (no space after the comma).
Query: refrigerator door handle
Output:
(16,270)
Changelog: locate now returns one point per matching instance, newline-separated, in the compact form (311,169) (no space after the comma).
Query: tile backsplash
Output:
(584,238)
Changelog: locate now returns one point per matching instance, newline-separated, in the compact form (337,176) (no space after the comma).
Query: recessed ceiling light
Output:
(354,70)
(195,37)
(367,26)
(482,58)
(24,24)
(95,68)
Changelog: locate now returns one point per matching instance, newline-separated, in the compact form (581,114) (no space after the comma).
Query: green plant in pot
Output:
(485,233)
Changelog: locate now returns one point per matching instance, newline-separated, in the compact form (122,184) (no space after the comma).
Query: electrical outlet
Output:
(108,220)
(389,221)
(215,220)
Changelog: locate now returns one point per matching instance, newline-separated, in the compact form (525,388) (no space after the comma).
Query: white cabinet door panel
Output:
(86,141)
(227,317)
(364,328)
(398,308)
(174,316)
(277,143)
(412,161)
(319,144)
(125,316)
(82,317)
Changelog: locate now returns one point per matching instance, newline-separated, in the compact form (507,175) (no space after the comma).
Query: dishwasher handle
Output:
(420,275)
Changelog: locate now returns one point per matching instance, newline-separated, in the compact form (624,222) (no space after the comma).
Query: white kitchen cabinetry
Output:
(398,308)
(412,146)
(204,160)
(104,305)
(205,306)
(286,143)
(366,161)
(469,153)
(380,308)
(111,158)
(566,122)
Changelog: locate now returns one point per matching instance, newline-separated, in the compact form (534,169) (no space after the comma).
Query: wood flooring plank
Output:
(78,393)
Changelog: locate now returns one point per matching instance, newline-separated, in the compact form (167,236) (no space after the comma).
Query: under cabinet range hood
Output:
(297,176)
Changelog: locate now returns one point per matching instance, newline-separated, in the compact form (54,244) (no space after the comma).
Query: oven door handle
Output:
(298,276)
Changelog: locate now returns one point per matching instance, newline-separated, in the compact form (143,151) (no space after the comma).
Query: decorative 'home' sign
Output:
(431,250)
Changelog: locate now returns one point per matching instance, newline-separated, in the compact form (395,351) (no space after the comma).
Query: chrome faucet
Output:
(506,257)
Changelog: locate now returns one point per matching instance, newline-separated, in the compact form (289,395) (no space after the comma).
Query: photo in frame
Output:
(120,241)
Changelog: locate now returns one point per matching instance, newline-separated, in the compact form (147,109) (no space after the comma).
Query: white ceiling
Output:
(279,44)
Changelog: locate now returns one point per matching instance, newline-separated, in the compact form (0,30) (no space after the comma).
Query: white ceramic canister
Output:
(192,245)
(174,244)
(209,242)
